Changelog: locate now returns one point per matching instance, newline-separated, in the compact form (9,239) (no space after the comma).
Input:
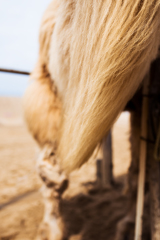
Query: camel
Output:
(93,56)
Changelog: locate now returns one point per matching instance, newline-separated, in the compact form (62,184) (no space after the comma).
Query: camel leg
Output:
(43,116)
(153,154)
(54,184)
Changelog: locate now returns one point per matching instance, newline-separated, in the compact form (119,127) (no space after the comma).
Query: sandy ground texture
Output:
(21,204)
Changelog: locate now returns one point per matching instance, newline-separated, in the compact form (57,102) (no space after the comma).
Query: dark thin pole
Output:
(107,175)
(14,71)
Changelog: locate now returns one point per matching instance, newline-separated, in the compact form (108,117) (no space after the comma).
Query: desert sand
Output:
(21,203)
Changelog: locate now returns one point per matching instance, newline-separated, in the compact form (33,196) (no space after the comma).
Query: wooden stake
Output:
(107,177)
(104,162)
(142,162)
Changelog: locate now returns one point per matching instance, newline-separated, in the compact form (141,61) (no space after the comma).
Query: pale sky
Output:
(19,27)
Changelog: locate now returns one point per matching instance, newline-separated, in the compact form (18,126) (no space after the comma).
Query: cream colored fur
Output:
(98,56)
(42,106)
(43,111)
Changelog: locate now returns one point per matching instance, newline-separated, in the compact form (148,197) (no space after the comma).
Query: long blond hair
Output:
(108,46)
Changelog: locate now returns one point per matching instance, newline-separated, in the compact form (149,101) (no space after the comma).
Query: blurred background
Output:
(19,27)
(21,205)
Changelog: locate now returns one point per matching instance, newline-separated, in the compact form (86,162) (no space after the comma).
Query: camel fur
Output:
(95,54)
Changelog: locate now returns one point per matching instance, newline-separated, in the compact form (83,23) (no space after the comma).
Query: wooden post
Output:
(107,176)
(104,162)
(142,162)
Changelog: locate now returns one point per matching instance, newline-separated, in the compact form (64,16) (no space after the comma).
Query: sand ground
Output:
(21,204)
